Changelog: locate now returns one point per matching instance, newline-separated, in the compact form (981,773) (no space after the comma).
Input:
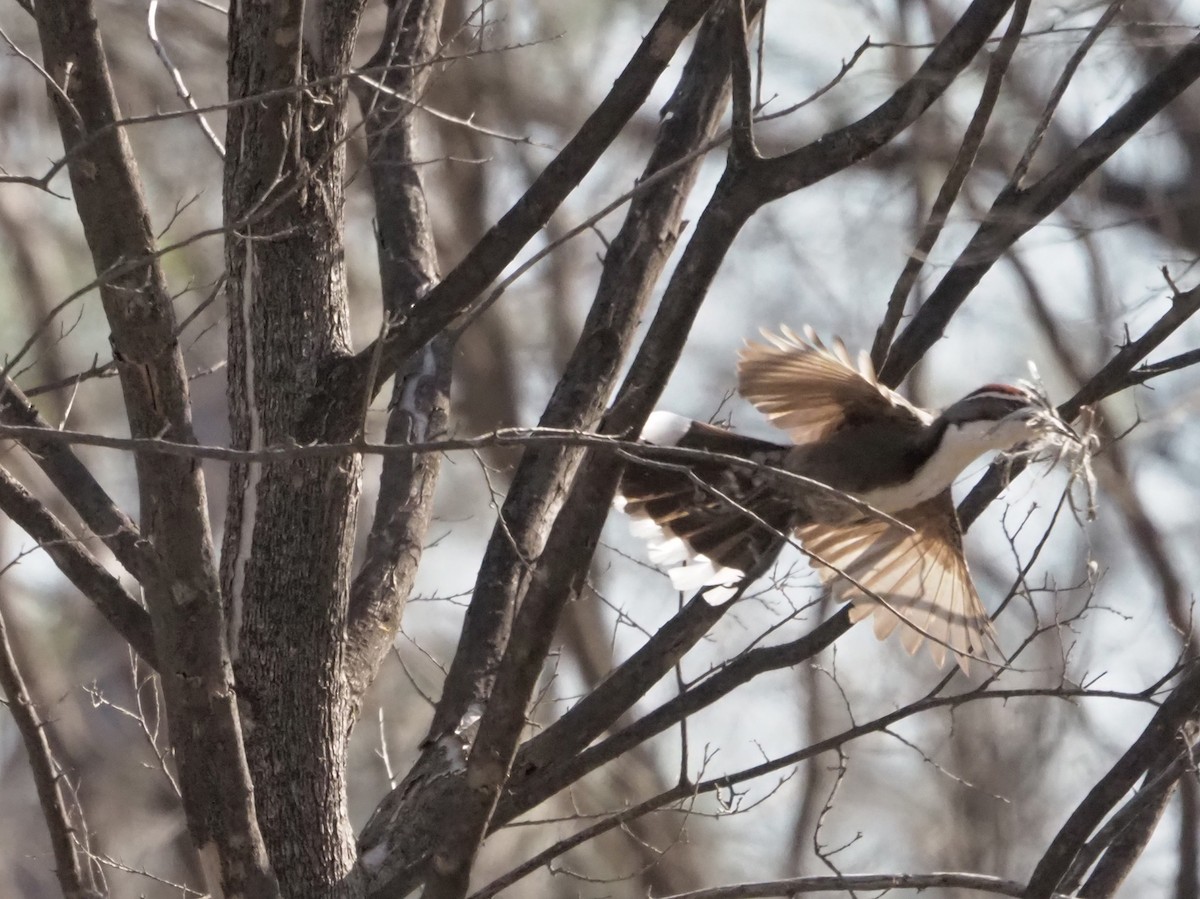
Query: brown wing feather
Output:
(922,576)
(728,516)
(809,390)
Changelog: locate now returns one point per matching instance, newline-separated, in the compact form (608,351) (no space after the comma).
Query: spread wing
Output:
(921,576)
(810,390)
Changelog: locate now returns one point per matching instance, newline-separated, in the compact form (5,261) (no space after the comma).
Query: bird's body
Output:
(867,459)
(727,522)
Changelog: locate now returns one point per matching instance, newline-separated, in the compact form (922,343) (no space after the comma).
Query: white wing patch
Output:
(693,571)
(665,428)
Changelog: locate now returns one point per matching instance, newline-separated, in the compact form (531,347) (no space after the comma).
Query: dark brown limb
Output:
(460,288)
(421,395)
(1179,710)
(1017,209)
(113,601)
(1123,838)
(182,592)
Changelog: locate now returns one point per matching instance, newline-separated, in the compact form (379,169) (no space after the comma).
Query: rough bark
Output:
(285,564)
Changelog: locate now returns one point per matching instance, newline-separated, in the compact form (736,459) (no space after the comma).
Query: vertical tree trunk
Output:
(288,538)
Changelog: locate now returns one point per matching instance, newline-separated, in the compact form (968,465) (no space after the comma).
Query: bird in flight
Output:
(863,487)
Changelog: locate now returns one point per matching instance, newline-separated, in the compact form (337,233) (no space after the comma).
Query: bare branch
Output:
(743,146)
(1151,370)
(523,437)
(686,791)
(77,484)
(1120,842)
(365,74)
(964,161)
(1181,707)
(177,77)
(74,875)
(529,785)
(795,886)
(118,607)
(515,228)
(1060,88)
(1111,378)
(1017,209)
(420,401)
(839,149)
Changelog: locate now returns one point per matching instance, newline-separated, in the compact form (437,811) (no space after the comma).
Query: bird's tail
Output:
(722,523)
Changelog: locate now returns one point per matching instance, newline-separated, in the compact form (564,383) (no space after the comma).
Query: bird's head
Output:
(1003,416)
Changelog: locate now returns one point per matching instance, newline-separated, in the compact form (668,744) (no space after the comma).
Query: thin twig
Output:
(501,437)
(177,77)
(73,877)
(793,886)
(57,166)
(1060,88)
(54,85)
(683,792)
(964,161)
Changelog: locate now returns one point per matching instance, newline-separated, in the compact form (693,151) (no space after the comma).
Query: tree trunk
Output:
(289,526)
